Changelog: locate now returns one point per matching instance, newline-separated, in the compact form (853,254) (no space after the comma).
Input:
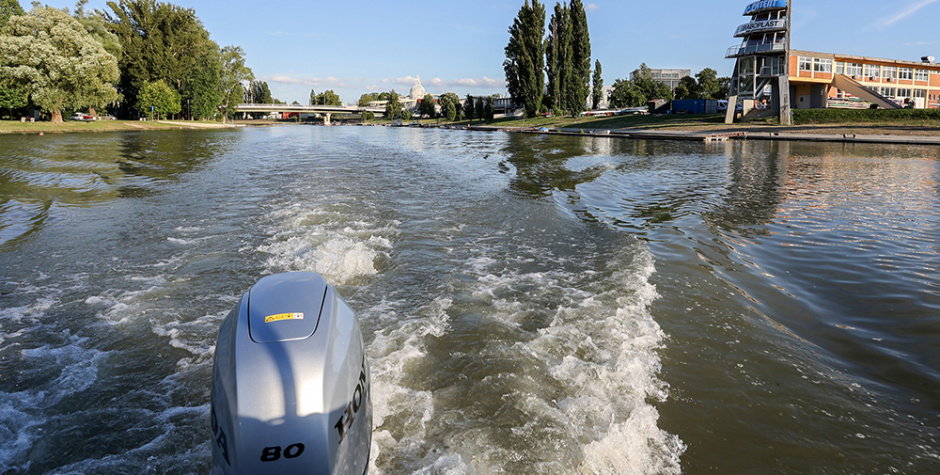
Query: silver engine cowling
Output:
(290,382)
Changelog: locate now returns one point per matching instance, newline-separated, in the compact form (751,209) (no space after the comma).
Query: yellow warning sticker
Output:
(283,316)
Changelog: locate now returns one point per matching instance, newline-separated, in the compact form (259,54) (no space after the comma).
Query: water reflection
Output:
(38,174)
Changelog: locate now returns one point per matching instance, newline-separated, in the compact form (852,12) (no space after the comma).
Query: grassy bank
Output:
(17,127)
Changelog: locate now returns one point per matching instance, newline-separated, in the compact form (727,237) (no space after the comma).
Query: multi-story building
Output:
(821,80)
(769,75)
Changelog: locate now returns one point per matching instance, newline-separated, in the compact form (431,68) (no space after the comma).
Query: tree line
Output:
(137,58)
(551,71)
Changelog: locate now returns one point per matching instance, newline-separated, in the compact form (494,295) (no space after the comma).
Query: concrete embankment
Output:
(731,134)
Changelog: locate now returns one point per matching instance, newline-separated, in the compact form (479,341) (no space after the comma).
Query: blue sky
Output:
(357,46)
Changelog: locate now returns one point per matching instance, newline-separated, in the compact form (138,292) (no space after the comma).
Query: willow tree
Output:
(58,63)
(525,57)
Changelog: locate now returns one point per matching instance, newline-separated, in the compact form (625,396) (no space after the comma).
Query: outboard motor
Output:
(290,383)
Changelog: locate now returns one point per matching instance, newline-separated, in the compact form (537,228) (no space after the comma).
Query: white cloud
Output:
(902,15)
(591,7)
(307,81)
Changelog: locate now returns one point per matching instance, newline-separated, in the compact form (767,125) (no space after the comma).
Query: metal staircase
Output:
(855,88)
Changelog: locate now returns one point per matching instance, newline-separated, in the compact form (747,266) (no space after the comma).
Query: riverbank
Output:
(709,128)
(15,127)
(713,128)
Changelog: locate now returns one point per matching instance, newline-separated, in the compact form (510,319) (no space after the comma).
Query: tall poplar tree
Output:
(558,57)
(597,95)
(469,108)
(525,57)
(579,85)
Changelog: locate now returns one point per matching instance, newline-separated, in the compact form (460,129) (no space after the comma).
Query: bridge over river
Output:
(325,111)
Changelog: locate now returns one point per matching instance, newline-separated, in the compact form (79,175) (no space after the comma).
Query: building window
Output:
(920,94)
(889,92)
(822,65)
(840,68)
(806,64)
(890,72)
(906,74)
(853,69)
(872,71)
(921,75)
(902,92)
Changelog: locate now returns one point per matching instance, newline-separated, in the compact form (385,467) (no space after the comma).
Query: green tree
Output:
(626,93)
(480,108)
(427,106)
(365,99)
(688,89)
(597,94)
(57,62)
(707,84)
(558,57)
(164,41)
(233,76)
(326,98)
(489,110)
(202,92)
(450,111)
(159,99)
(449,98)
(469,109)
(260,93)
(579,80)
(9,8)
(368,116)
(11,96)
(724,88)
(393,107)
(405,115)
(525,57)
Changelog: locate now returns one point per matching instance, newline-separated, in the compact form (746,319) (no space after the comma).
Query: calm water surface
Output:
(531,304)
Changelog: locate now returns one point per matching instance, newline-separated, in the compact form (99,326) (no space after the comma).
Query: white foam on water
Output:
(191,337)
(401,414)
(23,413)
(578,390)
(341,248)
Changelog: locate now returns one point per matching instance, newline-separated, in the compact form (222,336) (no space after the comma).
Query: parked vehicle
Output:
(81,116)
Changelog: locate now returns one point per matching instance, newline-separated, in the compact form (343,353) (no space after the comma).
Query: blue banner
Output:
(763,5)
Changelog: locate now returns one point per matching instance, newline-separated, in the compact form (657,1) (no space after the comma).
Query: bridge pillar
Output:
(326,118)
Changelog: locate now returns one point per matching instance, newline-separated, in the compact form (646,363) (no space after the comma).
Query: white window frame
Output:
(906,74)
(822,65)
(853,69)
(872,71)
(805,64)
(889,72)
(921,75)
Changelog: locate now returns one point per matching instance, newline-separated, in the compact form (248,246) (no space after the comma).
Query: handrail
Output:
(741,50)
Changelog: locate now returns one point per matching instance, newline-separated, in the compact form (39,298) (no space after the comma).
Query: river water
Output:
(530,303)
